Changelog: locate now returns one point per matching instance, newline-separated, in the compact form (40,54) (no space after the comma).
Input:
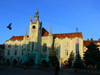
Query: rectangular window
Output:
(44,47)
(66,52)
(8,52)
(22,52)
(15,52)
(9,46)
(16,46)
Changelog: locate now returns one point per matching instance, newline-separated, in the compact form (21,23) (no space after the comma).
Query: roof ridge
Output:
(68,33)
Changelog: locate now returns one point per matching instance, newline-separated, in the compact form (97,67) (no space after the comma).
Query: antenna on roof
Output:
(76,29)
(92,36)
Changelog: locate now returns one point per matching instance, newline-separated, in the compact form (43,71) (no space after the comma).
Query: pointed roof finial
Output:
(50,30)
(37,7)
(36,13)
(26,31)
(92,39)
(76,29)
(92,36)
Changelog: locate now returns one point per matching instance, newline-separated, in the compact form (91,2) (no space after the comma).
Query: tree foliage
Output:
(53,60)
(92,55)
(71,57)
(78,64)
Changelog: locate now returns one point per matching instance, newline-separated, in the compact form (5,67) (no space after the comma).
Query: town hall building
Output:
(36,45)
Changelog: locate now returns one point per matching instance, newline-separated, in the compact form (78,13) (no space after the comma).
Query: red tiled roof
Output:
(2,44)
(69,35)
(87,42)
(44,32)
(16,38)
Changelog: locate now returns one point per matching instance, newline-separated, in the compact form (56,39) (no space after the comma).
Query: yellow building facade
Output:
(37,44)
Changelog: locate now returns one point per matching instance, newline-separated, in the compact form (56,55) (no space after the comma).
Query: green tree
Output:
(71,57)
(53,60)
(92,55)
(78,63)
(52,56)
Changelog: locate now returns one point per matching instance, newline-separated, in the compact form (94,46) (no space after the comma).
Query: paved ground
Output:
(10,70)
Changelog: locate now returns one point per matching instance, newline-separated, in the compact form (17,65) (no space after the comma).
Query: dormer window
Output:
(33,27)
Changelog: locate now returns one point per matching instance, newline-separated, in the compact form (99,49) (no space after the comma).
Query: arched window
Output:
(77,46)
(77,40)
(44,47)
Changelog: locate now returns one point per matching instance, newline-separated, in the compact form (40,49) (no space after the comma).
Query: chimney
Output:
(87,39)
(99,39)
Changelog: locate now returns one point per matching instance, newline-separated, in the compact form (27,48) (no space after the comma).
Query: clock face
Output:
(32,36)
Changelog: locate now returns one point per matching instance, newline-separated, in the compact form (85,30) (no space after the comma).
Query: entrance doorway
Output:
(15,61)
(65,63)
(31,62)
(8,62)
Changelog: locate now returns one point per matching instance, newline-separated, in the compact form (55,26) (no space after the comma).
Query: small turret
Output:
(31,21)
(92,40)
(50,31)
(25,33)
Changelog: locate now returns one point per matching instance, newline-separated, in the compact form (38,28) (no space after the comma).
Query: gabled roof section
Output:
(69,35)
(44,32)
(17,37)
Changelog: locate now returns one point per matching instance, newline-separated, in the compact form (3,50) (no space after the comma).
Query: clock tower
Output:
(35,28)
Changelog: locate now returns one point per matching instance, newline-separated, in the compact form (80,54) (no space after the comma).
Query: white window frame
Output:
(15,52)
(44,47)
(66,52)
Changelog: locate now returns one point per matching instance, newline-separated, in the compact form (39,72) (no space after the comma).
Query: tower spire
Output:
(36,16)
(26,31)
(36,13)
(50,30)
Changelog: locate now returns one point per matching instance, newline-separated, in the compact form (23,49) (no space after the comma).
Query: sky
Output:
(63,16)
